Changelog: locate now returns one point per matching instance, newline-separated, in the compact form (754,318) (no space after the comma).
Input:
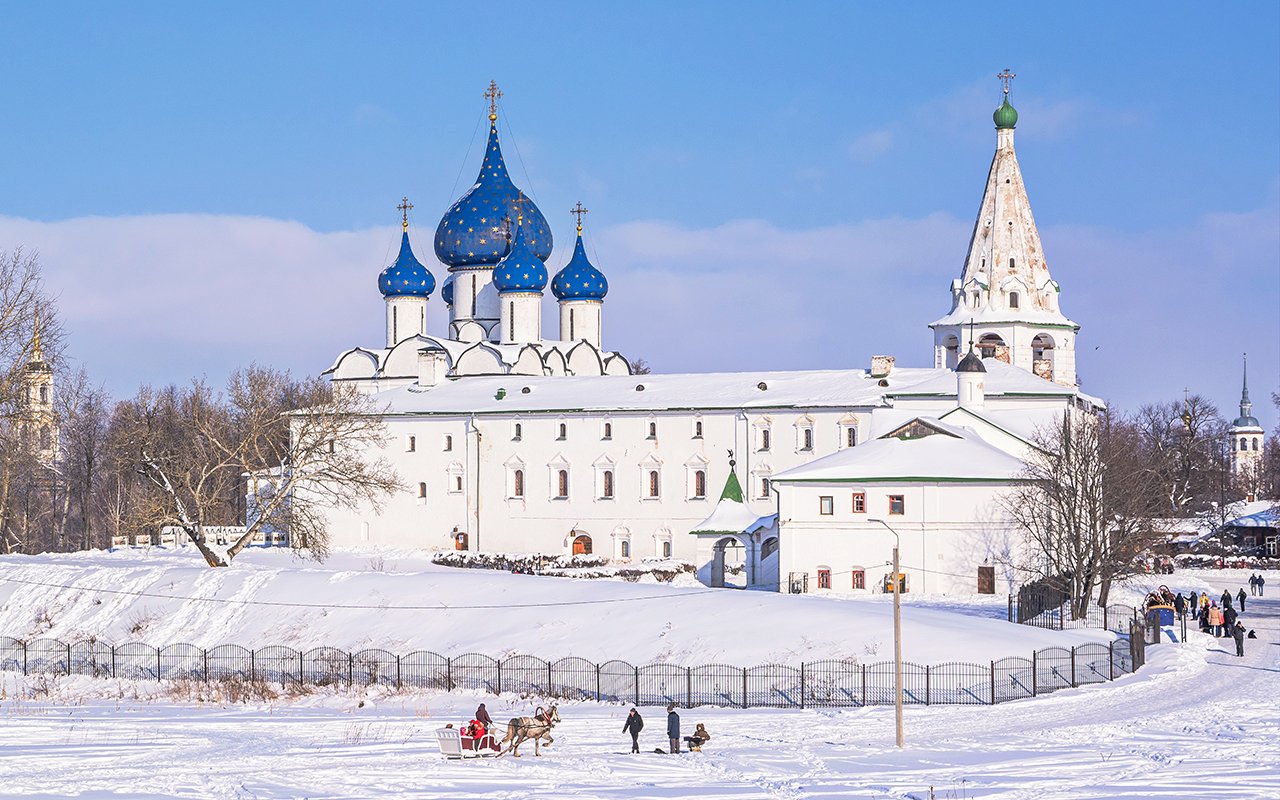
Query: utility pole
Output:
(897,632)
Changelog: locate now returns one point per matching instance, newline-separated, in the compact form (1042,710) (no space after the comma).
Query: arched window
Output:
(1013,299)
(44,394)
(653,430)
(562,483)
(517,483)
(582,545)
(448,442)
(516,431)
(850,436)
(697,429)
(563,431)
(653,483)
(1011,265)
(700,483)
(422,490)
(626,549)
(807,439)
(607,433)
(1244,444)
(412,444)
(666,549)
(764,440)
(606,484)
(859,579)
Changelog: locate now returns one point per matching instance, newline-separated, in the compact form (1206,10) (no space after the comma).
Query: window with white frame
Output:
(666,548)
(653,483)
(762,487)
(699,484)
(606,430)
(422,491)
(651,428)
(517,431)
(859,502)
(624,548)
(517,483)
(562,431)
(448,442)
(851,436)
(826,505)
(562,484)
(697,427)
(804,434)
(763,436)
(455,477)
(410,444)
(897,504)
(604,478)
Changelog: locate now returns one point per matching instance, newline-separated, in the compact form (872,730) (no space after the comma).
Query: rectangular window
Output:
(697,429)
(859,502)
(897,504)
(653,430)
(826,506)
(606,484)
(764,440)
(457,483)
(562,484)
(859,579)
(806,439)
(850,437)
(824,579)
(764,488)
(666,549)
(448,442)
(411,444)
(562,432)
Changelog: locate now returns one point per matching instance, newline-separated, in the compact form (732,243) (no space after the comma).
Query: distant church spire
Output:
(1246,408)
(1004,287)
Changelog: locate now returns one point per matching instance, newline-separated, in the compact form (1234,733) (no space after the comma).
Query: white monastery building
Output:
(512,442)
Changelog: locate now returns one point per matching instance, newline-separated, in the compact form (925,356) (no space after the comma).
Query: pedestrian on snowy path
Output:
(1226,598)
(1203,618)
(482,715)
(1253,584)
(1229,618)
(673,728)
(1180,605)
(1240,597)
(633,726)
(1261,583)
(1238,634)
(1215,619)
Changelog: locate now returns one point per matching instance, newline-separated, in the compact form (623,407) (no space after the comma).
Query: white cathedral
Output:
(797,481)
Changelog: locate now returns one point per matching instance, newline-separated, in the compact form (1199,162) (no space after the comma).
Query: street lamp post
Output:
(897,631)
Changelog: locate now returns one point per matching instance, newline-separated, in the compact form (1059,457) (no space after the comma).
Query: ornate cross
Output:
(404,208)
(1005,77)
(578,211)
(493,94)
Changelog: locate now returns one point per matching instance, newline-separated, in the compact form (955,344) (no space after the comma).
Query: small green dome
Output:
(1005,116)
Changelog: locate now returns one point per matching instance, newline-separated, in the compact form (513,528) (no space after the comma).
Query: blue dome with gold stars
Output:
(521,269)
(407,276)
(471,233)
(579,279)
(446,291)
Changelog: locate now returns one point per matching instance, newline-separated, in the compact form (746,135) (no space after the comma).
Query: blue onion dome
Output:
(471,233)
(579,279)
(406,277)
(446,291)
(521,269)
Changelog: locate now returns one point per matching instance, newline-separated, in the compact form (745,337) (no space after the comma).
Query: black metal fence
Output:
(830,683)
(1115,618)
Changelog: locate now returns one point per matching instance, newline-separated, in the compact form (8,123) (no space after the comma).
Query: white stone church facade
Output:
(512,442)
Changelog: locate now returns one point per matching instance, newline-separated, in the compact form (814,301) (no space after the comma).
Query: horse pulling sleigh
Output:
(457,744)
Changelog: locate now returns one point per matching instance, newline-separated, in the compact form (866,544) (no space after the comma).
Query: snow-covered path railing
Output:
(812,684)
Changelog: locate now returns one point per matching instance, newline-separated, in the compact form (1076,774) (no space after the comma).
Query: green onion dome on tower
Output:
(1005,116)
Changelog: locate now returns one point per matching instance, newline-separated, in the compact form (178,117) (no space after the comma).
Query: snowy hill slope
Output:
(549,617)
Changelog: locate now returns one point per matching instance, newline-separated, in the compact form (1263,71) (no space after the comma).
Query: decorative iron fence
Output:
(1115,618)
(816,684)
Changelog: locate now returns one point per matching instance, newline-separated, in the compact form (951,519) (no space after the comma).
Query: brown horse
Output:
(537,727)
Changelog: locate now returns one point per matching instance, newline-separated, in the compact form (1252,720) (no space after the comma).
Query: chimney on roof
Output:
(881,366)
(433,367)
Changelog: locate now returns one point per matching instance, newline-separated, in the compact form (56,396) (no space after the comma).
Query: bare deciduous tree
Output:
(1184,440)
(1084,505)
(297,447)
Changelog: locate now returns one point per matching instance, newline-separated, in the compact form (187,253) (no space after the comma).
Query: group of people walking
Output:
(1216,617)
(1256,584)
(635,724)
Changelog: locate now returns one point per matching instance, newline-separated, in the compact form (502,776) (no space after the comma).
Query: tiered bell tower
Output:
(1005,289)
(1245,440)
(41,421)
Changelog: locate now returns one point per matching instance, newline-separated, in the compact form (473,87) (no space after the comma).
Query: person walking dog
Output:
(633,726)
(673,728)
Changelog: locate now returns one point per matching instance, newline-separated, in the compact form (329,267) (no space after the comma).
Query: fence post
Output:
(1011,607)
(448,674)
(1034,672)
(1105,626)
(113,661)
(550,680)
(993,683)
(1061,613)
(637,669)
(1073,666)
(1111,661)
(864,685)
(24,658)
(397,669)
(204,657)
(801,684)
(157,663)
(68,658)
(499,689)
(301,680)
(253,665)
(597,683)
(351,669)
(926,684)
(744,687)
(688,687)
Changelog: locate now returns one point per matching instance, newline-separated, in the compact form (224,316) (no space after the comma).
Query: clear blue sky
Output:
(1140,122)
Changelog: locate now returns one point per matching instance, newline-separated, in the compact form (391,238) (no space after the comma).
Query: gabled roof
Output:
(732,516)
(923,450)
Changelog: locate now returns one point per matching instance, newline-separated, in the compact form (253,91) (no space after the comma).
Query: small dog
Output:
(1252,635)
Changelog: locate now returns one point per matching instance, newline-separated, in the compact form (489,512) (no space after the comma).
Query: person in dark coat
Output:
(1237,633)
(1240,597)
(1262,582)
(1203,618)
(633,726)
(1253,584)
(1179,605)
(1225,600)
(1229,618)
(673,728)
(699,738)
(483,716)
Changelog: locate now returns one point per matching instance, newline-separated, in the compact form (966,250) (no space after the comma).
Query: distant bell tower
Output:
(1245,443)
(41,421)
(1005,288)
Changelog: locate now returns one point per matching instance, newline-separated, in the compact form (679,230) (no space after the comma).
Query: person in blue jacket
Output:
(673,728)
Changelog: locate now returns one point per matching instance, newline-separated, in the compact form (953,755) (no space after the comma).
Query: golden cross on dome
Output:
(578,211)
(493,94)
(1005,77)
(404,208)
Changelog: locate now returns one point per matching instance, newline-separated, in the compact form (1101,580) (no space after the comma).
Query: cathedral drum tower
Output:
(1005,292)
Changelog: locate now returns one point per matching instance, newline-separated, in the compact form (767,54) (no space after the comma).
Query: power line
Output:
(354,606)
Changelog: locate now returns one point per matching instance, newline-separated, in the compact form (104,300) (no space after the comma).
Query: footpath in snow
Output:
(1197,722)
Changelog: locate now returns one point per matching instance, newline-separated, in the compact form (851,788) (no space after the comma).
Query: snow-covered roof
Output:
(1258,514)
(722,390)
(732,515)
(963,315)
(947,453)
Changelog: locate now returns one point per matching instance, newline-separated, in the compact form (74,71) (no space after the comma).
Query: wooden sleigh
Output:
(454,745)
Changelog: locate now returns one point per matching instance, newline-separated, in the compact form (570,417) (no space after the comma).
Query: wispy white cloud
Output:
(161,298)
(870,146)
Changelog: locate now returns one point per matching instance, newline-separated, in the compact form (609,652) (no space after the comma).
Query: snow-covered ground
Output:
(1197,722)
(396,601)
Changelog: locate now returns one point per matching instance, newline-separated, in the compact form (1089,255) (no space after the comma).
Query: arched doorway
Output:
(729,564)
(582,545)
